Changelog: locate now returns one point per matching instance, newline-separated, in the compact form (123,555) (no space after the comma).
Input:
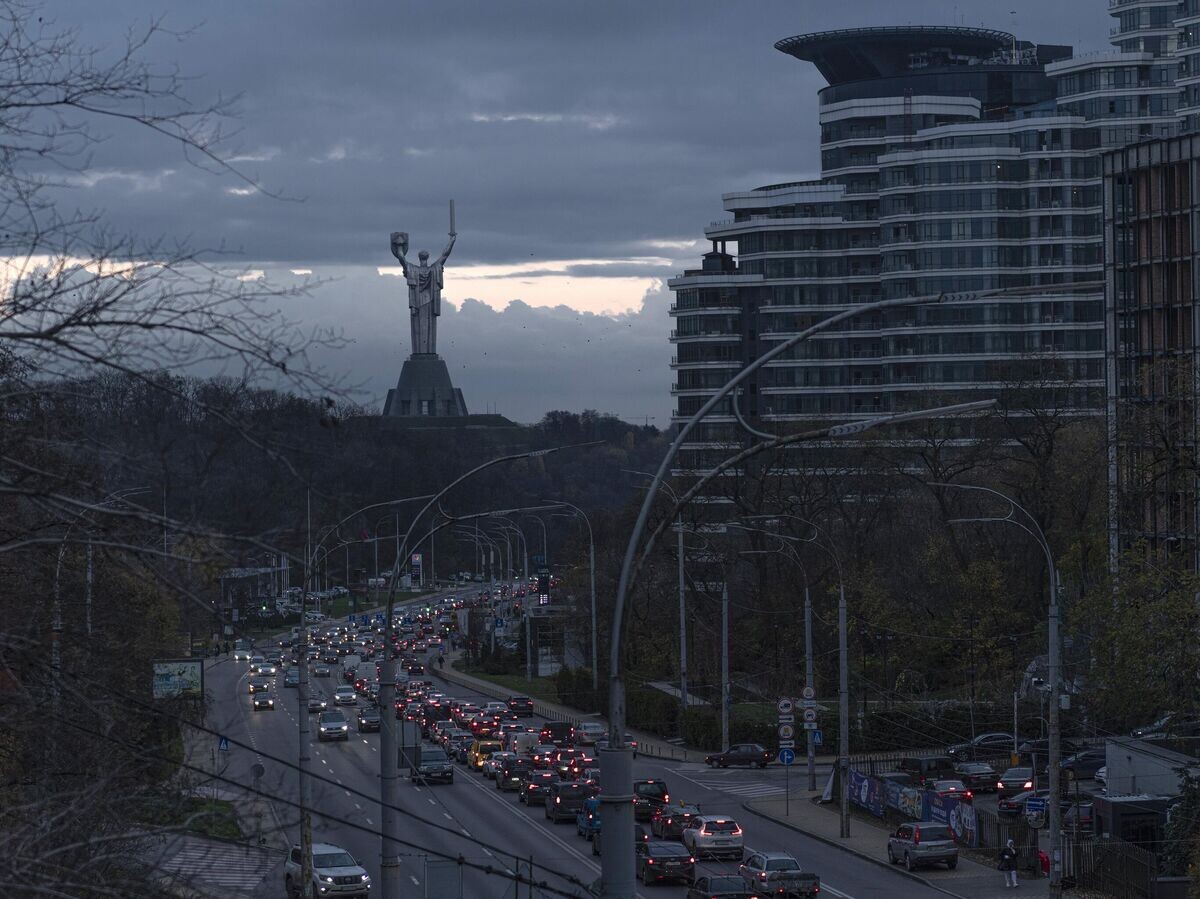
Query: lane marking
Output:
(414,880)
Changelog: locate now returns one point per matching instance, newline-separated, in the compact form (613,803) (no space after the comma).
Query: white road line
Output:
(357,806)
(414,880)
(488,852)
(368,820)
(447,816)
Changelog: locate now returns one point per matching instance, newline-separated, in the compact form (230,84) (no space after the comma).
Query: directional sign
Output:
(787,744)
(809,693)
(787,756)
(787,731)
(810,725)
(818,738)
(810,715)
(223,744)
(787,719)
(785,706)
(1035,804)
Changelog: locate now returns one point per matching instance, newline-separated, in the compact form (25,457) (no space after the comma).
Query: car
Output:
(983,744)
(563,759)
(951,789)
(1156,730)
(333,725)
(629,741)
(922,843)
(564,799)
(512,772)
(1042,749)
(267,669)
(241,654)
(778,874)
(1014,781)
(560,733)
(664,861)
(257,685)
(480,751)
(1014,806)
(979,777)
(495,761)
(345,695)
(435,767)
(668,821)
(291,677)
(535,786)
(648,795)
(720,886)
(1083,765)
(748,754)
(255,661)
(522,705)
(368,720)
(316,704)
(640,835)
(542,755)
(334,873)
(263,702)
(587,733)
(713,835)
(927,768)
(459,747)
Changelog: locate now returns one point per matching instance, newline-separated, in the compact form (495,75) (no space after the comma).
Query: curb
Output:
(837,845)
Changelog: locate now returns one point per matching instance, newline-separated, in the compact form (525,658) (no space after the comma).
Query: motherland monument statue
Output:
(424,389)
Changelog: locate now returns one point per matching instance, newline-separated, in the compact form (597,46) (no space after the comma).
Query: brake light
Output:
(999,785)
(916,836)
(649,861)
(762,875)
(737,832)
(666,797)
(1029,784)
(968,794)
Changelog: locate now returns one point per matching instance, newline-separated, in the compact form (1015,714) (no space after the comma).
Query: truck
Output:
(777,874)
(350,665)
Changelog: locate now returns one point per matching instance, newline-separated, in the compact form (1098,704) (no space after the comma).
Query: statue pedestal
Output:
(425,391)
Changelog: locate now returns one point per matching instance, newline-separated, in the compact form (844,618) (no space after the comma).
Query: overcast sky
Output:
(586,146)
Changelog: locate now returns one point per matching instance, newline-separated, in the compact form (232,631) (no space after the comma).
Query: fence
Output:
(1113,867)
(995,832)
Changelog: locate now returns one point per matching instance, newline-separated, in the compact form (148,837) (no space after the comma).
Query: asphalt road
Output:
(470,817)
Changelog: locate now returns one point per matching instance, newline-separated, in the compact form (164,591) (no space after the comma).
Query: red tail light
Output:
(916,836)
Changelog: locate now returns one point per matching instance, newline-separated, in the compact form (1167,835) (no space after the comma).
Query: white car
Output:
(587,733)
(713,835)
(255,662)
(314,617)
(241,655)
(334,873)
(345,695)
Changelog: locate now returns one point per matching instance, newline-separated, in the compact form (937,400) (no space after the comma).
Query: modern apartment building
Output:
(1152,204)
(952,159)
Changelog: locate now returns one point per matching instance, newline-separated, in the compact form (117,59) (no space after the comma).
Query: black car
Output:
(1014,781)
(368,720)
(664,861)
(535,786)
(640,835)
(983,744)
(1083,765)
(748,754)
(435,767)
(560,733)
(978,777)
(512,773)
(927,768)
(1041,748)
(522,705)
(565,799)
(721,886)
(648,797)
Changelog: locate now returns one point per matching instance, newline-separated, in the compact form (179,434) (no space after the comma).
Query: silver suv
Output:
(335,873)
(922,843)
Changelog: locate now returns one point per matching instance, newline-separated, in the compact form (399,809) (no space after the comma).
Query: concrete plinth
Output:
(425,391)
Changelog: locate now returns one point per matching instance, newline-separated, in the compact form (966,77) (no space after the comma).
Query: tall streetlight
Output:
(1031,527)
(592,572)
(524,543)
(683,666)
(389,761)
(545,543)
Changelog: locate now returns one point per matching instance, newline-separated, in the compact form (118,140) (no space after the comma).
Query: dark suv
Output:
(926,769)
(560,733)
(648,797)
(521,705)
(565,799)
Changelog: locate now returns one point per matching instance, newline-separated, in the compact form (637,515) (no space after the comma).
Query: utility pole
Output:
(808,682)
(843,711)
(683,668)
(1055,817)
(304,719)
(725,687)
(87,608)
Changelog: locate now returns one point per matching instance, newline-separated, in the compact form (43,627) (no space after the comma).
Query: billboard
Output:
(178,679)
(865,792)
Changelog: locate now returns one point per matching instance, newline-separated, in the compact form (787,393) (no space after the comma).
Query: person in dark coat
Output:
(1008,864)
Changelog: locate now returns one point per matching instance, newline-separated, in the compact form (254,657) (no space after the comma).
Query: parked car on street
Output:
(979,777)
(1014,781)
(925,769)
(982,744)
(922,843)
(1083,765)
(951,789)
(748,754)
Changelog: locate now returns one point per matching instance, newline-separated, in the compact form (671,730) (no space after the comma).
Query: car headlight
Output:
(366,878)
(325,877)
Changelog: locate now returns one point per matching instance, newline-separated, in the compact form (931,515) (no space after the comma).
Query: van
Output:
(521,743)
(928,768)
(481,751)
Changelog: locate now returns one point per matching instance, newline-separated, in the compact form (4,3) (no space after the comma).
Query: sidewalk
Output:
(970,880)
(646,745)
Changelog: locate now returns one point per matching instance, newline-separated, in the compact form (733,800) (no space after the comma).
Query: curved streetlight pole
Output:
(545,542)
(1054,816)
(592,573)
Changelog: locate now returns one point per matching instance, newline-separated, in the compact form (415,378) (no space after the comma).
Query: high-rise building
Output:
(1152,251)
(952,159)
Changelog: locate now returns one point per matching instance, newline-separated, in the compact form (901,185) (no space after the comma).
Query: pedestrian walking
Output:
(1008,864)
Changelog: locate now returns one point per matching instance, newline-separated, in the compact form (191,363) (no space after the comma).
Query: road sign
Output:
(818,738)
(499,624)
(809,693)
(785,706)
(787,719)
(810,725)
(1034,804)
(787,756)
(787,744)
(223,744)
(810,715)
(786,731)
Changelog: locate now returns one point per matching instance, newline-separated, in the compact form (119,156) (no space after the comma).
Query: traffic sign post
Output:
(786,757)
(817,738)
(223,744)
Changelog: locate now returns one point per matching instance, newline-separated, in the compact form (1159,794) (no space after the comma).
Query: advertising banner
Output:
(178,679)
(959,816)
(865,792)
(908,801)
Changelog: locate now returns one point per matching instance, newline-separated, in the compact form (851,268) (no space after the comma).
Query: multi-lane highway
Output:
(471,819)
